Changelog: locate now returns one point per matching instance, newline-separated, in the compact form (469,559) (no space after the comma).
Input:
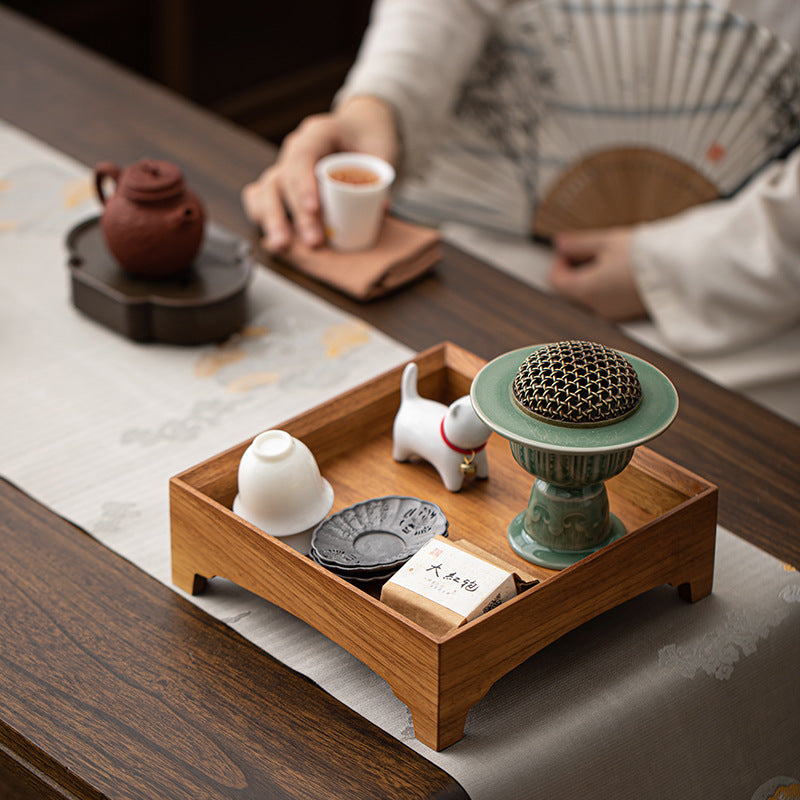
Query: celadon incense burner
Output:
(574,413)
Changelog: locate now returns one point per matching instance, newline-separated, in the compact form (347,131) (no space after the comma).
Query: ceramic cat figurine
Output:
(452,438)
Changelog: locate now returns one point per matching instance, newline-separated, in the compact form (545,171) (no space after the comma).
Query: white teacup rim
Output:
(382,168)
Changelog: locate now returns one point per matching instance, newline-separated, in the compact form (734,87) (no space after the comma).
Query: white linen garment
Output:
(726,274)
(714,279)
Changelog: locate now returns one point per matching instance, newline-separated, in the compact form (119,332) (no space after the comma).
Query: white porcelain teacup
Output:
(281,489)
(353,189)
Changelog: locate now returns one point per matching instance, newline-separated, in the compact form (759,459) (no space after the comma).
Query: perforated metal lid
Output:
(577,383)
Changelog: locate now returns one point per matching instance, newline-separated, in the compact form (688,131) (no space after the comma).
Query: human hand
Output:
(285,199)
(593,268)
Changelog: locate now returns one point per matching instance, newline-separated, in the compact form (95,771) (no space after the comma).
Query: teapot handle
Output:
(104,170)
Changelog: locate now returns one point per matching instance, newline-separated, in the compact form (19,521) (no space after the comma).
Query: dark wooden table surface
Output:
(114,686)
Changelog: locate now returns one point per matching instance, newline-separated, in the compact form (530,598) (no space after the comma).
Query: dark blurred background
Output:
(265,65)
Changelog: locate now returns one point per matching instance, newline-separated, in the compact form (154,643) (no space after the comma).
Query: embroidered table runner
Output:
(657,698)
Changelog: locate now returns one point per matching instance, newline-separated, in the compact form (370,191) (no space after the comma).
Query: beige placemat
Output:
(403,253)
(656,698)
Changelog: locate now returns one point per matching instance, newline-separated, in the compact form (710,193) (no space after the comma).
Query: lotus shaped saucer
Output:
(374,538)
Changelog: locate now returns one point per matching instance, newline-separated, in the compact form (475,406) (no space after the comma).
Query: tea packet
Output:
(449,583)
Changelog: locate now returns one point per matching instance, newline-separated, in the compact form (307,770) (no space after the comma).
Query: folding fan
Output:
(608,112)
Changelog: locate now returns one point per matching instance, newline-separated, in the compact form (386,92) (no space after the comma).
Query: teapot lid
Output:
(150,180)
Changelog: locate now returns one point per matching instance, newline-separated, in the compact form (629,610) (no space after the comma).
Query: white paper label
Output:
(457,580)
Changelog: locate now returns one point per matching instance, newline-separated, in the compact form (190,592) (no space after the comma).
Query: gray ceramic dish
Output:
(377,534)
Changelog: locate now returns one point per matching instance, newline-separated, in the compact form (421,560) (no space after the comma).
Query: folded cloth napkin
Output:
(403,252)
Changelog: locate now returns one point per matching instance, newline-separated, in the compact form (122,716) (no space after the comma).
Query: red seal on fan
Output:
(716,152)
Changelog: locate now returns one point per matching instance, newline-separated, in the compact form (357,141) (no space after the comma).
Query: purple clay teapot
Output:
(152,223)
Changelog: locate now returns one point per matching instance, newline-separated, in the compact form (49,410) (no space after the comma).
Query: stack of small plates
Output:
(372,540)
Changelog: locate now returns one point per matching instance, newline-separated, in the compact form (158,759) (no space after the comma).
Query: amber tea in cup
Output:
(353,174)
(353,188)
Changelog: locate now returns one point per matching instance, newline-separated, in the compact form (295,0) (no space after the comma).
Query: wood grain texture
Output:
(670,516)
(112,685)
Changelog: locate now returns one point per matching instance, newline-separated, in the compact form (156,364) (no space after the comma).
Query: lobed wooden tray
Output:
(206,303)
(670,515)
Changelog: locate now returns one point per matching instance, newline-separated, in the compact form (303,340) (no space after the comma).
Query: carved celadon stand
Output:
(573,413)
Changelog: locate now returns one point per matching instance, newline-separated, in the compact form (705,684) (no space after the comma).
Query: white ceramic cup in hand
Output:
(353,188)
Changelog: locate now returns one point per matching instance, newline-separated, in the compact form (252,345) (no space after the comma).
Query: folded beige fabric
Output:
(404,251)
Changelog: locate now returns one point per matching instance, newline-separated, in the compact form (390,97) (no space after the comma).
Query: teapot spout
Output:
(185,215)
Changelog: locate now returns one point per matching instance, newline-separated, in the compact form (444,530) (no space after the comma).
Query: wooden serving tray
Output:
(670,515)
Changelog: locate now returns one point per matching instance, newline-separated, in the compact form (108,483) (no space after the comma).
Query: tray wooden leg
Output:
(690,559)
(696,588)
(185,550)
(440,724)
(187,579)
(695,578)
(436,730)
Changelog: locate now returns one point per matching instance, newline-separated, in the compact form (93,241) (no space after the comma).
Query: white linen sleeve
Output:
(725,275)
(415,55)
